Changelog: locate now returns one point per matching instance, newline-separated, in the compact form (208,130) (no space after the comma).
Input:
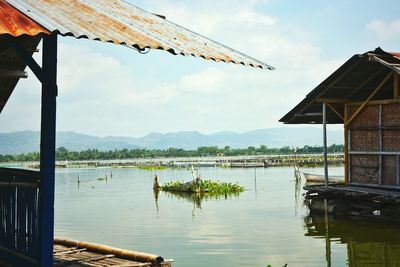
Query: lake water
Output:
(266,224)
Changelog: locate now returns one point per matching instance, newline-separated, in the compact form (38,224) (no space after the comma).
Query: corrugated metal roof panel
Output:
(122,23)
(15,23)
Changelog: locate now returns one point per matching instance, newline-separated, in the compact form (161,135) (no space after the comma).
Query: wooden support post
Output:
(47,151)
(396,85)
(369,99)
(346,148)
(325,144)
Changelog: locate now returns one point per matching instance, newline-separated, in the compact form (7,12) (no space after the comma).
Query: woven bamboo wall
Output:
(375,131)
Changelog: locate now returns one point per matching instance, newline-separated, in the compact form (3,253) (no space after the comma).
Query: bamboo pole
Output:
(103,249)
(325,144)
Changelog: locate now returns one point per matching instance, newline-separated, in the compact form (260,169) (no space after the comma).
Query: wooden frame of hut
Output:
(27,197)
(363,95)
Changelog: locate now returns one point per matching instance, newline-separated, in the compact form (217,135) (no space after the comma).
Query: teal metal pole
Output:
(47,151)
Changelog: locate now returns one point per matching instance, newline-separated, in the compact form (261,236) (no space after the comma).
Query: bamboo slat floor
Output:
(76,256)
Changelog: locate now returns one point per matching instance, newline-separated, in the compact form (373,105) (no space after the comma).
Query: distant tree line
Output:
(94,154)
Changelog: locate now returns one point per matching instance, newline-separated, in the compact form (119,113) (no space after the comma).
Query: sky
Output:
(105,89)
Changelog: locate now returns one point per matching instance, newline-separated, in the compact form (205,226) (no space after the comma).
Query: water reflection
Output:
(195,198)
(246,230)
(156,193)
(298,200)
(368,244)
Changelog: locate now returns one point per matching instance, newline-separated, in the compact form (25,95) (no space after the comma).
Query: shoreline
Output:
(259,161)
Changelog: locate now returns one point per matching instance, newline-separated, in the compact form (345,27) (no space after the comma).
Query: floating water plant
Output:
(152,167)
(208,187)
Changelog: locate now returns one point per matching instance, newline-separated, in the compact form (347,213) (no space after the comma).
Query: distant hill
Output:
(28,141)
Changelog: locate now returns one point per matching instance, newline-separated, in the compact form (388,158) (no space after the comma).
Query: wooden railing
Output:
(19,216)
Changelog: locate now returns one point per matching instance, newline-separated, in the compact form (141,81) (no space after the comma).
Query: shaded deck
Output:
(372,202)
(390,194)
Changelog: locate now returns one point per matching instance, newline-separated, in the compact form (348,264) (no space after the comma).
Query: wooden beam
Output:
(369,99)
(27,58)
(376,102)
(385,63)
(19,184)
(331,100)
(334,110)
(13,73)
(395,85)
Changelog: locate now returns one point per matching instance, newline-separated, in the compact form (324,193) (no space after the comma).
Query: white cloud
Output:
(104,94)
(382,29)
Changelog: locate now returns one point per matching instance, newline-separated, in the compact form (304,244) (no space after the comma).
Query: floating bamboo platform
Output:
(72,253)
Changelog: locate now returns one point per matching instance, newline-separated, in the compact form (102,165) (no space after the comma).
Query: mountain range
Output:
(28,141)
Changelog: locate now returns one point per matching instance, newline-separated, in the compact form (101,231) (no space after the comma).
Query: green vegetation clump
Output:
(152,167)
(209,187)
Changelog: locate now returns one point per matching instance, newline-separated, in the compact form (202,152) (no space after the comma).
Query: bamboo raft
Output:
(73,253)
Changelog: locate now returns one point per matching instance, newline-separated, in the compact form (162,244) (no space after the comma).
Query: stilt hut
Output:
(27,197)
(363,95)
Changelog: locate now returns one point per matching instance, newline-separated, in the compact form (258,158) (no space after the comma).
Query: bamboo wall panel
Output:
(367,117)
(391,140)
(364,140)
(391,115)
(375,130)
(365,169)
(389,170)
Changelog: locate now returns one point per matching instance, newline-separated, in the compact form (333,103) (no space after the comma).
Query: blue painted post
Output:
(47,151)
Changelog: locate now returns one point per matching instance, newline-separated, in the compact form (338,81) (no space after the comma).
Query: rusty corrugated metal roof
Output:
(15,23)
(122,23)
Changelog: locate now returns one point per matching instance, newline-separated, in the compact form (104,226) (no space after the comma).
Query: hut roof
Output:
(354,81)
